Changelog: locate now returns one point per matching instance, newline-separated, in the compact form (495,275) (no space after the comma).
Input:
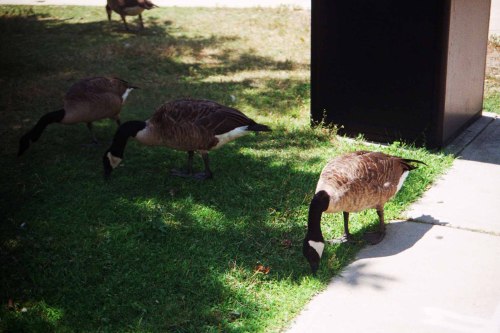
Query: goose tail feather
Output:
(407,160)
(258,128)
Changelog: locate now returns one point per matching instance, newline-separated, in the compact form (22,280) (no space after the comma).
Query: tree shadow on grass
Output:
(170,253)
(46,55)
(151,251)
(146,250)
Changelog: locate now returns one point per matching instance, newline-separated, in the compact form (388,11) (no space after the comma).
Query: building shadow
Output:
(400,236)
(479,142)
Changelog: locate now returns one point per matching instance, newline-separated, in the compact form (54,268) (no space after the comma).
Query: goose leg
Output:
(189,171)
(185,173)
(94,139)
(207,173)
(125,23)
(140,21)
(347,237)
(377,236)
(108,10)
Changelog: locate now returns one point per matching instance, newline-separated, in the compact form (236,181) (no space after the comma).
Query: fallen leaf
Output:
(262,269)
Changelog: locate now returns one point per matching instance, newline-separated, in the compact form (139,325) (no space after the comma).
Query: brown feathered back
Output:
(94,98)
(193,124)
(362,180)
(123,6)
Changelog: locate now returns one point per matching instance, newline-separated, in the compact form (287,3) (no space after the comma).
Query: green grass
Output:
(147,252)
(491,102)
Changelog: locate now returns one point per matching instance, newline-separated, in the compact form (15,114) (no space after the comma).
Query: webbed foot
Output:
(344,239)
(186,174)
(181,173)
(374,237)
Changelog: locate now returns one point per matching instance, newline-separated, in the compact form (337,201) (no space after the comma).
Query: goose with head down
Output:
(128,8)
(184,124)
(86,101)
(351,183)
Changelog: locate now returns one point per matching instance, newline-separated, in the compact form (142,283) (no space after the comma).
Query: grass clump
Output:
(491,102)
(147,252)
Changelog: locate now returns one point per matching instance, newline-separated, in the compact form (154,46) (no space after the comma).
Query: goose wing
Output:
(362,179)
(94,86)
(208,115)
(375,168)
(146,4)
(93,98)
(123,4)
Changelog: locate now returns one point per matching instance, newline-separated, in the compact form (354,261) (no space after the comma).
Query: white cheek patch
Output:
(125,94)
(113,160)
(402,180)
(231,135)
(317,246)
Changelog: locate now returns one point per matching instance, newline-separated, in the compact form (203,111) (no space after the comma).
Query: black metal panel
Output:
(376,67)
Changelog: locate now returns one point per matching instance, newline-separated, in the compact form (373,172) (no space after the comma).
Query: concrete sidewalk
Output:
(439,273)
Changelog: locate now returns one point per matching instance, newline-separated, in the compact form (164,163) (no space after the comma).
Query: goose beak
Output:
(312,250)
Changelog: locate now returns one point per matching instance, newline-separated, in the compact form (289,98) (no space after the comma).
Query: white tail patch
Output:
(125,94)
(402,180)
(113,160)
(231,135)
(317,246)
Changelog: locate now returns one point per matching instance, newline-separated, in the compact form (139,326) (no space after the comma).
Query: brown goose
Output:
(351,183)
(185,124)
(128,8)
(86,101)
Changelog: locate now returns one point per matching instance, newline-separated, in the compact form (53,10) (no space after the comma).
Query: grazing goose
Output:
(128,8)
(351,183)
(86,101)
(185,124)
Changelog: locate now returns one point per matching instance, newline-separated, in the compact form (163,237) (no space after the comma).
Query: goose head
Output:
(110,162)
(313,250)
(114,155)
(314,243)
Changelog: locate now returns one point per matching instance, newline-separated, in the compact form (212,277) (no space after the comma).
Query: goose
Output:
(184,124)
(128,8)
(87,100)
(351,183)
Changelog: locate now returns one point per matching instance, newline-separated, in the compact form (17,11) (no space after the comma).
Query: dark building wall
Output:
(466,62)
(379,68)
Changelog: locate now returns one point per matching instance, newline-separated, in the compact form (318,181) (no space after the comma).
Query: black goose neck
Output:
(319,204)
(125,131)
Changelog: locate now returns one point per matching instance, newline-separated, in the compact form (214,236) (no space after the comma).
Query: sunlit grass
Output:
(147,252)
(491,101)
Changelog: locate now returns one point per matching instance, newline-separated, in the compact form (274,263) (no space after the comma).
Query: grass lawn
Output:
(148,252)
(492,81)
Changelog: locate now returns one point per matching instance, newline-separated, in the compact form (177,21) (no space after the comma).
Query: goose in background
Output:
(184,124)
(128,8)
(86,101)
(351,183)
